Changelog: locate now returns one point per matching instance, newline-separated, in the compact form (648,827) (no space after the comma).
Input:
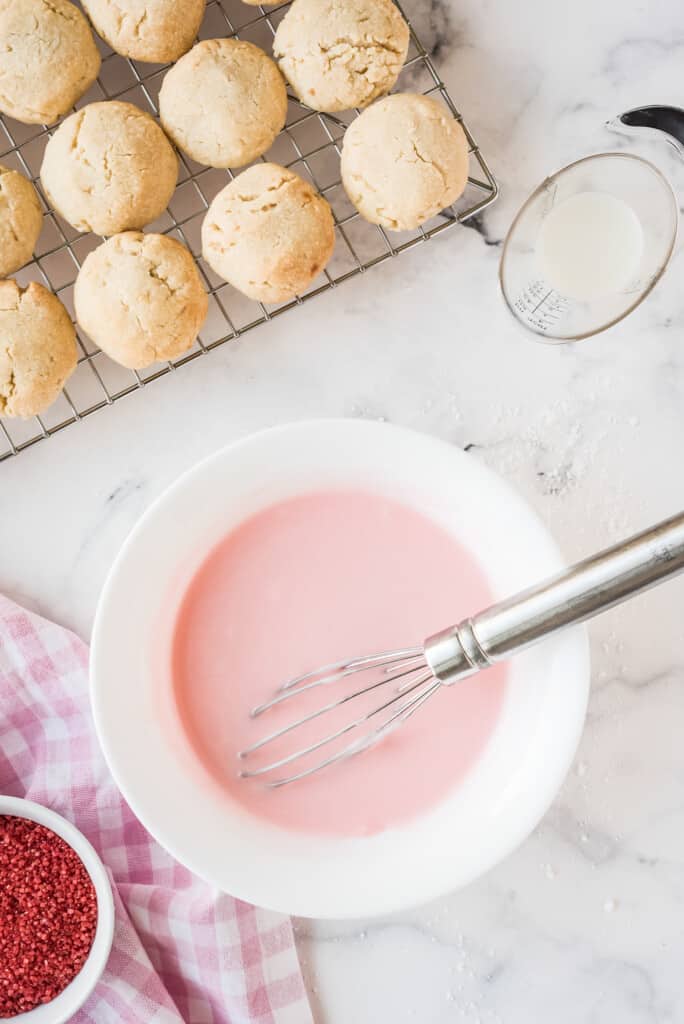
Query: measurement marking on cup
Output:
(541,306)
(550,292)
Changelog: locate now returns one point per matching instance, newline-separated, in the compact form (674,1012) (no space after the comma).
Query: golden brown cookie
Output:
(269,233)
(48,59)
(21,220)
(109,167)
(159,31)
(37,348)
(223,103)
(140,298)
(403,160)
(341,55)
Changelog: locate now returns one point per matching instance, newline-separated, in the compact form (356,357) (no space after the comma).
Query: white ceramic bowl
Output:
(64,1006)
(486,817)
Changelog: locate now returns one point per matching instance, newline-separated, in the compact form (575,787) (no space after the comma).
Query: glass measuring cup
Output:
(529,295)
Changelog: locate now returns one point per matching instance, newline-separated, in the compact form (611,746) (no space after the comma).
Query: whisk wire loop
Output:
(407,667)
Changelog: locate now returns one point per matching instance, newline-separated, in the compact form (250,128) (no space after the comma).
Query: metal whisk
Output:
(406,679)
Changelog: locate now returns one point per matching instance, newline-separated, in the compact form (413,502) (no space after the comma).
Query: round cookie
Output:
(338,56)
(38,350)
(140,298)
(158,31)
(268,233)
(109,167)
(403,160)
(48,59)
(223,103)
(21,219)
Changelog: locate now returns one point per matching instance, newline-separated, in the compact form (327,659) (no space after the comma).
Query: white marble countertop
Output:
(584,923)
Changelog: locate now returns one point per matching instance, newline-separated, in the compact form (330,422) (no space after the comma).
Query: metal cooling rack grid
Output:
(309,144)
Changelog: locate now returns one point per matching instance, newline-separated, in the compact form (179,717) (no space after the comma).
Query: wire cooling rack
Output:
(309,144)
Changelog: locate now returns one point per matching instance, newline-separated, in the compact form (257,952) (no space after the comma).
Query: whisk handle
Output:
(573,596)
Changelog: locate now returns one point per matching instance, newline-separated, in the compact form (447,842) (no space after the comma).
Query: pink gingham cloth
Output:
(182,952)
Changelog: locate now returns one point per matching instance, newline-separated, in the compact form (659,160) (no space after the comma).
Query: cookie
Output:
(158,31)
(140,298)
(341,55)
(109,167)
(268,233)
(223,103)
(21,220)
(403,160)
(48,59)
(38,351)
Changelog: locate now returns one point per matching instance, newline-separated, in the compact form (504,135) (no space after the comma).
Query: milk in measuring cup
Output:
(590,246)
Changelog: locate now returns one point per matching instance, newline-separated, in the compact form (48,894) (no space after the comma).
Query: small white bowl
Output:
(482,820)
(64,1006)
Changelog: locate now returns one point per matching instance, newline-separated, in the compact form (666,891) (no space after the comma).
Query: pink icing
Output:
(306,582)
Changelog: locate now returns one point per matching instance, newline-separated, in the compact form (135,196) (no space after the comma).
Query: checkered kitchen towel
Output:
(182,951)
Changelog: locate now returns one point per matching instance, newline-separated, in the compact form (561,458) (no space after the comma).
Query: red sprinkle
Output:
(48,915)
